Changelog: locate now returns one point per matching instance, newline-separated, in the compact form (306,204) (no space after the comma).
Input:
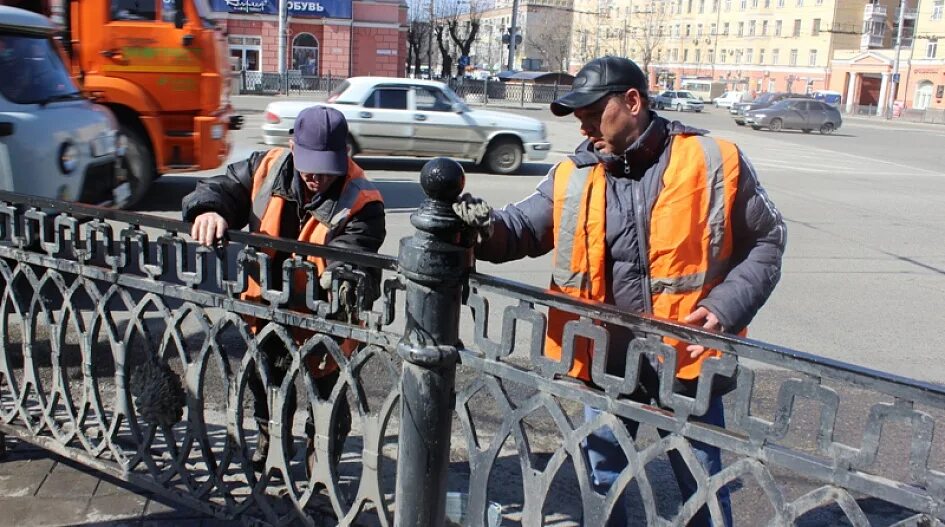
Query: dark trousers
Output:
(278,367)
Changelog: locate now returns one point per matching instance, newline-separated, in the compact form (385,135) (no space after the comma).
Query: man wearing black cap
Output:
(654,217)
(311,192)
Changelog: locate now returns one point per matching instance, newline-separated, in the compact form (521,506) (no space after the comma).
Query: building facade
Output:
(340,38)
(867,76)
(544,30)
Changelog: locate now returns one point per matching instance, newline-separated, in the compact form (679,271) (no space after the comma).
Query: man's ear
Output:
(635,101)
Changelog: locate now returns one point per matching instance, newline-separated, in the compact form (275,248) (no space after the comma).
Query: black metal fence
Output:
(129,349)
(471,90)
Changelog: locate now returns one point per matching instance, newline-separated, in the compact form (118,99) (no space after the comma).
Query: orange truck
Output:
(162,67)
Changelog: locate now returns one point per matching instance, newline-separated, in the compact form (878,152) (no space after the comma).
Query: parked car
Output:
(54,142)
(727,99)
(678,100)
(412,117)
(796,114)
(763,101)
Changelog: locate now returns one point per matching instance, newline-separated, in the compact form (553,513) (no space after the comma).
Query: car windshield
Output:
(32,70)
(685,95)
(333,96)
(765,98)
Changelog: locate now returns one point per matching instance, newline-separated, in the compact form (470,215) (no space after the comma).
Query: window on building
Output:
(738,57)
(812,58)
(712,29)
(728,5)
(676,31)
(923,96)
(749,56)
(777,28)
(702,6)
(675,55)
(931,49)
(699,30)
(767,4)
(761,56)
(305,54)
(774,57)
(247,51)
(388,99)
(751,28)
(688,29)
(741,29)
(754,4)
(685,56)
(780,3)
(815,28)
(725,29)
(722,56)
(134,10)
(800,3)
(689,6)
(743,4)
(793,61)
(797,27)
(764,28)
(937,7)
(698,56)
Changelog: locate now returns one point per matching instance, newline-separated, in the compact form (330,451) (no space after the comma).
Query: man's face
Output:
(315,183)
(612,123)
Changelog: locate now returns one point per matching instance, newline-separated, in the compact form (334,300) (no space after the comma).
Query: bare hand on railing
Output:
(208,228)
(708,321)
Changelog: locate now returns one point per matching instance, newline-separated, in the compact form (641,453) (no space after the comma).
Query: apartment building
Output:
(866,75)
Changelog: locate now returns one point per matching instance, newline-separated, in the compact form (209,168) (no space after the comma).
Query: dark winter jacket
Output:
(229,196)
(633,184)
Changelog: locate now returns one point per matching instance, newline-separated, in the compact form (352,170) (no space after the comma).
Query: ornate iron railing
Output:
(129,349)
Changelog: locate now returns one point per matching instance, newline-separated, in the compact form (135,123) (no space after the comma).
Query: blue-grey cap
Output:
(320,136)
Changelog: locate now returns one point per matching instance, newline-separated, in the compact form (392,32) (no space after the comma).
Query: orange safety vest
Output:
(266,218)
(690,240)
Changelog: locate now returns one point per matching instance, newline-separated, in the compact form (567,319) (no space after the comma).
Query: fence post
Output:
(554,96)
(522,98)
(435,266)
(3,446)
(485,95)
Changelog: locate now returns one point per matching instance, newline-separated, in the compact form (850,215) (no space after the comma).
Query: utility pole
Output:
(513,33)
(718,27)
(283,13)
(894,87)
(597,32)
(430,45)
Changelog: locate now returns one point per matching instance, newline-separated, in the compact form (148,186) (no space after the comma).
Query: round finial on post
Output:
(442,179)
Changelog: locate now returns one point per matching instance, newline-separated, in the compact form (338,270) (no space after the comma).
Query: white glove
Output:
(325,280)
(475,213)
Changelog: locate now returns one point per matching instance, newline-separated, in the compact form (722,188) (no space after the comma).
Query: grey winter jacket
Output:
(526,229)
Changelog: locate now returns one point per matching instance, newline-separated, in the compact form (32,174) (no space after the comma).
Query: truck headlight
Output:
(68,157)
(217,131)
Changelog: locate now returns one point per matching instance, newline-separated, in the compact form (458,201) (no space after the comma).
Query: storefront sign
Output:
(299,8)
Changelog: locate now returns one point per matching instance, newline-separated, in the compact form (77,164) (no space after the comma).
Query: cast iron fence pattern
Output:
(128,349)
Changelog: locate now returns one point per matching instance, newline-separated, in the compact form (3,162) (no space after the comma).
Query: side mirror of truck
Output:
(179,14)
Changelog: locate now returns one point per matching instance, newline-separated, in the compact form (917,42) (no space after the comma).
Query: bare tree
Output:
(649,31)
(444,45)
(463,23)
(417,34)
(551,45)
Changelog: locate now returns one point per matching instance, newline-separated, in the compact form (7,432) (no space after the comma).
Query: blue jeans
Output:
(606,460)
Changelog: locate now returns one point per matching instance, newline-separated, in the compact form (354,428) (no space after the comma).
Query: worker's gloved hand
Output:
(325,280)
(475,213)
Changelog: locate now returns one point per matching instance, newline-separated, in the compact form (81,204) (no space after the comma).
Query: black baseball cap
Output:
(320,135)
(598,78)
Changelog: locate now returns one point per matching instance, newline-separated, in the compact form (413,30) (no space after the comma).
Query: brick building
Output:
(341,38)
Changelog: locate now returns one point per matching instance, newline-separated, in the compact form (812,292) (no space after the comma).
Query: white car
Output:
(413,117)
(679,100)
(727,99)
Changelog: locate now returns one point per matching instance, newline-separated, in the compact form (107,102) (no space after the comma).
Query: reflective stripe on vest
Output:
(690,239)
(267,219)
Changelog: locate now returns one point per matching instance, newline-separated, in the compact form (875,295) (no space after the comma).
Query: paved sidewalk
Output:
(40,489)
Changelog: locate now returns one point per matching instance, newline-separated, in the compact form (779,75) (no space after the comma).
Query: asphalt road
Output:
(864,273)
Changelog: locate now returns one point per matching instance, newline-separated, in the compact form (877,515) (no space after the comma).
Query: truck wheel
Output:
(138,164)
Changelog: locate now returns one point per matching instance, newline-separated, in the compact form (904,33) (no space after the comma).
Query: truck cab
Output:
(162,67)
(54,142)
